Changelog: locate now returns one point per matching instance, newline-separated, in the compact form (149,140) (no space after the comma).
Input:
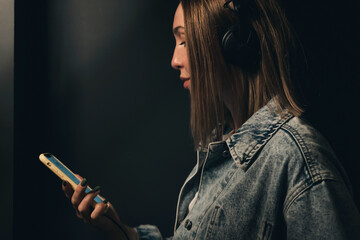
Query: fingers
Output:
(82,202)
(100,210)
(66,187)
(79,193)
(84,208)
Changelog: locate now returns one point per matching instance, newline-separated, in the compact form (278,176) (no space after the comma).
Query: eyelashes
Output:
(182,43)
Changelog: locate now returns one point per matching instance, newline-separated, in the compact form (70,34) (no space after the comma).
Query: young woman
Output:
(262,172)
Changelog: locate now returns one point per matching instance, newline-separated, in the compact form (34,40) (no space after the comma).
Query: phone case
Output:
(65,173)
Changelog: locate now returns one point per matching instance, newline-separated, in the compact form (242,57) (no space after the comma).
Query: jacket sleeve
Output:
(325,210)
(149,232)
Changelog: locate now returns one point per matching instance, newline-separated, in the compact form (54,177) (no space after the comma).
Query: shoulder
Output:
(286,150)
(306,158)
(316,153)
(275,141)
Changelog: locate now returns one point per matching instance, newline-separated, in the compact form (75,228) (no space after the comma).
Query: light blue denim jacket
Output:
(275,178)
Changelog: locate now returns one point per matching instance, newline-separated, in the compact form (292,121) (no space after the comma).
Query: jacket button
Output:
(225,154)
(188,224)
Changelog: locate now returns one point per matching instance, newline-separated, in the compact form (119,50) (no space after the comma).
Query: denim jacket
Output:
(275,178)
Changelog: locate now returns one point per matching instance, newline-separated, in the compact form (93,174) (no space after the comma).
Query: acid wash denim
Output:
(275,178)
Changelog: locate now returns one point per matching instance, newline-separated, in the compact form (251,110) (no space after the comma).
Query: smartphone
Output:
(65,173)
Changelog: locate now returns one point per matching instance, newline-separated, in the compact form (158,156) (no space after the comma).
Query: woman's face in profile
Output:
(180,57)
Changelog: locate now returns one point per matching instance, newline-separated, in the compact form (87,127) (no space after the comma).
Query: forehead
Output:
(178,17)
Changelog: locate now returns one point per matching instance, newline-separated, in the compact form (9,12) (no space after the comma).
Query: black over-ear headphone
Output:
(240,43)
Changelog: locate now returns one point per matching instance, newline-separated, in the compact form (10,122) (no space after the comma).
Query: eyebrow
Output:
(176,30)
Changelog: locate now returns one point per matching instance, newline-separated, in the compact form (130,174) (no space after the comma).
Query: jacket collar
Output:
(256,132)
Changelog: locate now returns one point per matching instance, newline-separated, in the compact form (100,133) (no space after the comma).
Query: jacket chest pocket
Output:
(221,224)
(213,223)
(266,232)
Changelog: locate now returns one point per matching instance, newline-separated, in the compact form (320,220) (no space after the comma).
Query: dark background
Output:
(6,116)
(93,85)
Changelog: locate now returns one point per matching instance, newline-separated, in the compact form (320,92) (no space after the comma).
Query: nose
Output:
(176,61)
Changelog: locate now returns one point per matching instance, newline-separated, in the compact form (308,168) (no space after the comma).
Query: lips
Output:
(186,82)
(184,78)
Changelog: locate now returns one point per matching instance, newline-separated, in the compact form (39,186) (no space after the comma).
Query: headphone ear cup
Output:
(240,49)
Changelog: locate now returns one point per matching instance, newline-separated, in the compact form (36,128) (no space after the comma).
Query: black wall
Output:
(6,115)
(329,32)
(93,86)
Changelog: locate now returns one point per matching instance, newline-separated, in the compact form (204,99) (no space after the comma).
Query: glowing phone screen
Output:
(68,173)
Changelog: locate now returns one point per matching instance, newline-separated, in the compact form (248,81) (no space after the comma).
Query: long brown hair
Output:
(211,75)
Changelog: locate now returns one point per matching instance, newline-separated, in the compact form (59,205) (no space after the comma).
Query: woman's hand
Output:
(103,216)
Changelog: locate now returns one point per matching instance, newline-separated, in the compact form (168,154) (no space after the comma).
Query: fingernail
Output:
(64,183)
(83,182)
(95,189)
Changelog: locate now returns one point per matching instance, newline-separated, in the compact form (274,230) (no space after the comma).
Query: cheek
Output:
(186,63)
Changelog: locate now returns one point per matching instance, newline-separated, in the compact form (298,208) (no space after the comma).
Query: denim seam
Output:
(313,171)
(266,231)
(294,195)
(234,156)
(249,154)
(228,179)
(182,188)
(210,225)
(298,189)
(300,193)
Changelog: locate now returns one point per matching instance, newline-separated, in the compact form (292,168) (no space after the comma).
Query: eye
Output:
(182,43)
